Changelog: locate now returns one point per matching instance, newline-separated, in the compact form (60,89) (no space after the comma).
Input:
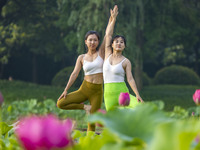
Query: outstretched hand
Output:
(139,99)
(114,12)
(64,94)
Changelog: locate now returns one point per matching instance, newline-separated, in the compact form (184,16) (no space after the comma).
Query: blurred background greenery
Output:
(40,41)
(39,37)
(171,95)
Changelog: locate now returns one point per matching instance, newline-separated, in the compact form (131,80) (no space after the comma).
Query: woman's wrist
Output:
(137,95)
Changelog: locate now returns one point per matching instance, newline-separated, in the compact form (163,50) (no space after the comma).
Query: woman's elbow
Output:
(130,80)
(74,75)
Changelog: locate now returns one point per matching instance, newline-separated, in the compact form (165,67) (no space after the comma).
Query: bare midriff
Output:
(94,78)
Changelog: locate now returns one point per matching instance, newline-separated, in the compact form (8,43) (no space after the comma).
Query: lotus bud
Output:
(196,97)
(124,99)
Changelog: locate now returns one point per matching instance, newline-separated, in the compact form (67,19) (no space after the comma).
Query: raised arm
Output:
(102,47)
(73,76)
(130,79)
(109,32)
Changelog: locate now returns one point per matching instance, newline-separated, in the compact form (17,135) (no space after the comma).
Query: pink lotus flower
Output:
(124,99)
(196,97)
(1,99)
(45,132)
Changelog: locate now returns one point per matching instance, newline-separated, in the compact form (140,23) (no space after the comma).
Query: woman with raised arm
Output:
(92,86)
(114,69)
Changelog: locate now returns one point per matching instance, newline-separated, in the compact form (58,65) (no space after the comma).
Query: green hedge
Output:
(176,75)
(146,79)
(62,77)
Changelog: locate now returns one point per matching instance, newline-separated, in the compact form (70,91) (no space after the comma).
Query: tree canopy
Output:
(45,36)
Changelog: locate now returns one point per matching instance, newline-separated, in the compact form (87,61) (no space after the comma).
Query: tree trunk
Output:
(138,74)
(139,60)
(139,44)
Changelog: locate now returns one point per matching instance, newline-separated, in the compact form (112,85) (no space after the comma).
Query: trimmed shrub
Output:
(62,77)
(146,79)
(176,75)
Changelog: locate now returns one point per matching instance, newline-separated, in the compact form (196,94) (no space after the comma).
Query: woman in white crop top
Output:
(114,69)
(92,86)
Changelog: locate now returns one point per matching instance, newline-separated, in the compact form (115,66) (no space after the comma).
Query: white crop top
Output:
(93,67)
(113,73)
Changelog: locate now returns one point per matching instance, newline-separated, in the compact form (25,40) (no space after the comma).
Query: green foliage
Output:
(61,78)
(93,16)
(170,27)
(195,110)
(156,32)
(8,140)
(146,80)
(175,135)
(149,127)
(146,127)
(19,90)
(17,109)
(11,35)
(179,113)
(107,140)
(176,75)
(171,95)
(125,126)
(4,128)
(38,24)
(173,54)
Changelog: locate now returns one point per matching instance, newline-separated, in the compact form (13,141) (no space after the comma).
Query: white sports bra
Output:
(113,73)
(93,67)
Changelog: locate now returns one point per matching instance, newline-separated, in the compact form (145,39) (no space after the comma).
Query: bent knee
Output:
(59,104)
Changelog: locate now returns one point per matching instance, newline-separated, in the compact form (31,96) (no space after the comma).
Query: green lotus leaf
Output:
(129,124)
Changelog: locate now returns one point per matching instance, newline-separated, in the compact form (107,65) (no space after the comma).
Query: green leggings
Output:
(112,92)
(87,91)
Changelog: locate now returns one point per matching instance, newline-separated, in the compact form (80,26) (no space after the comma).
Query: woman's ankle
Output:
(87,108)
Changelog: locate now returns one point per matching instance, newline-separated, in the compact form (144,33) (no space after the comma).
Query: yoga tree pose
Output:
(92,86)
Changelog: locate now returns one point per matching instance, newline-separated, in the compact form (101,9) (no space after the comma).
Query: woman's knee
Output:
(60,104)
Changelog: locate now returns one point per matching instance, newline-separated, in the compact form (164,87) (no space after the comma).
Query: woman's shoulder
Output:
(80,57)
(126,61)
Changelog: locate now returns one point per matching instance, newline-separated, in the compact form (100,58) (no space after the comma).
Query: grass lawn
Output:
(171,95)
(18,90)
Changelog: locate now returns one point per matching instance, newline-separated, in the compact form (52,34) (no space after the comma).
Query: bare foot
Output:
(87,109)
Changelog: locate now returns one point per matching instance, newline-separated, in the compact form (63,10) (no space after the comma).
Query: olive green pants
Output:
(87,91)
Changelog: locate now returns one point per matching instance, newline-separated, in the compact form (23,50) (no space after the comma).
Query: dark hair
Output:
(89,33)
(119,36)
